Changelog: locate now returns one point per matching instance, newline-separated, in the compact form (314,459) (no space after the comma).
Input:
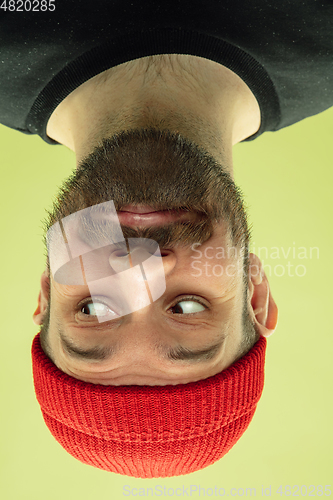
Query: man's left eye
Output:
(188,307)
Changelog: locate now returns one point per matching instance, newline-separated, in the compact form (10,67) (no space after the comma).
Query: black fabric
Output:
(283,50)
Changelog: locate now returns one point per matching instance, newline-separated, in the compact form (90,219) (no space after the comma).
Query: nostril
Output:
(119,253)
(165,253)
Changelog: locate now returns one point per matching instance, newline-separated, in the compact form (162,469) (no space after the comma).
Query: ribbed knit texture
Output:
(150,431)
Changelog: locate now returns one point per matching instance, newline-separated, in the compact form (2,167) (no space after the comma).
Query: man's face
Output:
(195,329)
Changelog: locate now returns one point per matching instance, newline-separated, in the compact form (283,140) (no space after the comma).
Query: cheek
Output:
(233,343)
(213,265)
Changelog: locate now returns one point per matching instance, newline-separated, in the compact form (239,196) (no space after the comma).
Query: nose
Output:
(169,260)
(140,277)
(120,260)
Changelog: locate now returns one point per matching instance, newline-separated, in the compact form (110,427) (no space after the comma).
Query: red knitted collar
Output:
(150,431)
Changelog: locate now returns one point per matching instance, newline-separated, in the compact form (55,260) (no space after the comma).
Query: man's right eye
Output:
(95,308)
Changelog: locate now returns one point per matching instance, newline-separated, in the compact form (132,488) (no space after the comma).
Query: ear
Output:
(264,311)
(43,299)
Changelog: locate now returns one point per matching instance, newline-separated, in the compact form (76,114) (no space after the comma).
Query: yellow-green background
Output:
(287,178)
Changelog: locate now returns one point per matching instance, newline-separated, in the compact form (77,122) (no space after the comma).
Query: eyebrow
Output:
(97,353)
(180,353)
